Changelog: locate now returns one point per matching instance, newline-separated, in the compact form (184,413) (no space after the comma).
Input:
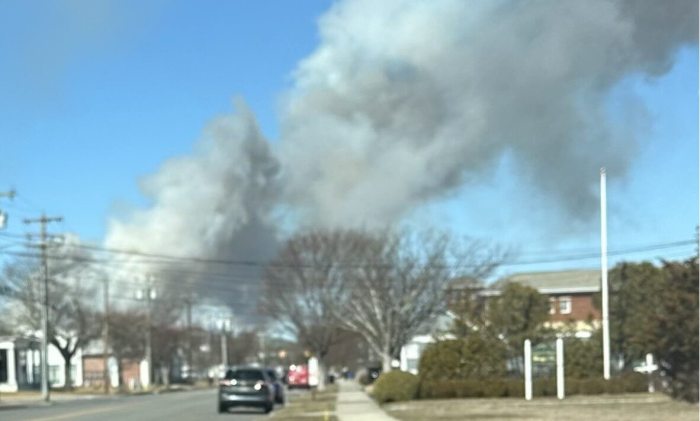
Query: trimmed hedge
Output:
(625,383)
(446,389)
(473,357)
(395,386)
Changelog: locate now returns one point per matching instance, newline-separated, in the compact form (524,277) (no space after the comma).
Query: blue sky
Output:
(93,99)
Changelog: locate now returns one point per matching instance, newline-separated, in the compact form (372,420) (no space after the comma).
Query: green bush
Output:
(543,387)
(476,357)
(395,386)
(515,388)
(446,389)
(624,383)
(468,388)
(441,389)
(633,382)
(363,377)
(583,356)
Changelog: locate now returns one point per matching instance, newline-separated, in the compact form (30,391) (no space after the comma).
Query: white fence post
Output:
(528,370)
(560,368)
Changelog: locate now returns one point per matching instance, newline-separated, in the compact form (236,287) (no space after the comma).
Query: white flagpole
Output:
(604,274)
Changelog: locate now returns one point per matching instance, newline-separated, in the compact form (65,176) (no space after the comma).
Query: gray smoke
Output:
(404,102)
(214,204)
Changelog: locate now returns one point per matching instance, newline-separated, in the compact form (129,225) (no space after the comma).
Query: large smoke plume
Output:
(406,101)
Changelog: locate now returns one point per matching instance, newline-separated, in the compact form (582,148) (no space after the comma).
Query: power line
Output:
(571,255)
(160,258)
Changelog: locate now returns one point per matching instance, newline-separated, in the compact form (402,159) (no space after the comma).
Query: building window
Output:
(552,305)
(54,374)
(565,305)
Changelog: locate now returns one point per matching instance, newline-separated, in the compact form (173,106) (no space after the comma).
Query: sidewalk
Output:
(354,405)
(26,399)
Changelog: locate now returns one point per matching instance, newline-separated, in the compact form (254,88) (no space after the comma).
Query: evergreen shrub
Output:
(395,386)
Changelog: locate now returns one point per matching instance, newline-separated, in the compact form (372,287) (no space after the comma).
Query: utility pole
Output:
(604,274)
(43,220)
(105,336)
(188,302)
(224,344)
(149,294)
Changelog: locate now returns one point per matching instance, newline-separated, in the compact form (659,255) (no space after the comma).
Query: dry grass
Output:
(304,406)
(629,407)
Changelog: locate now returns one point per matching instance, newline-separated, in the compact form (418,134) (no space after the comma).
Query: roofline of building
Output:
(566,290)
(573,290)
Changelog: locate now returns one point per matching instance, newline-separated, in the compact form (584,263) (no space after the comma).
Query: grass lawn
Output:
(303,406)
(628,407)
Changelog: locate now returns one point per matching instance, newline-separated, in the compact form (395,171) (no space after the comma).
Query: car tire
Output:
(268,408)
(222,408)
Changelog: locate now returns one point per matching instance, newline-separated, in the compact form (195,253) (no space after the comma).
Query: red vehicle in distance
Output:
(298,376)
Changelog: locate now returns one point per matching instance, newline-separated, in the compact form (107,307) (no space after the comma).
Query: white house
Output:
(19,363)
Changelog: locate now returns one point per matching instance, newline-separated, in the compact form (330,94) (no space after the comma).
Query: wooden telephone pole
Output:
(43,220)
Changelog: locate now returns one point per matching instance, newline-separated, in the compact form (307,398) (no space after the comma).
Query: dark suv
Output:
(246,387)
(277,384)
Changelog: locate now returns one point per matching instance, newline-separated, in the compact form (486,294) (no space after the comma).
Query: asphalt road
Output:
(192,405)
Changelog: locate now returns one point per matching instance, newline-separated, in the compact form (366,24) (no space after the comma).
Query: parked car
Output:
(277,383)
(373,373)
(246,387)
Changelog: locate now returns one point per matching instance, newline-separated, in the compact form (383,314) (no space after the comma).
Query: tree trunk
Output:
(386,362)
(321,375)
(165,375)
(120,376)
(68,384)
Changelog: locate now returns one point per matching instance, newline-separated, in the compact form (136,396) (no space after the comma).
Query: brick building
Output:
(571,295)
(93,372)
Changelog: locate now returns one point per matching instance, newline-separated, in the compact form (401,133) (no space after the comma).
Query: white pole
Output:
(650,367)
(560,368)
(528,370)
(604,274)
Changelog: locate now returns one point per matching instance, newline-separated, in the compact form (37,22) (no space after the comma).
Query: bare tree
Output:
(75,323)
(303,285)
(72,316)
(399,284)
(384,285)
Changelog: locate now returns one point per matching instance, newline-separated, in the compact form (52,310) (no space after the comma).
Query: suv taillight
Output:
(226,382)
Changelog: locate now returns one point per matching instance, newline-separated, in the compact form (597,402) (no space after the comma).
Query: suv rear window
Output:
(244,375)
